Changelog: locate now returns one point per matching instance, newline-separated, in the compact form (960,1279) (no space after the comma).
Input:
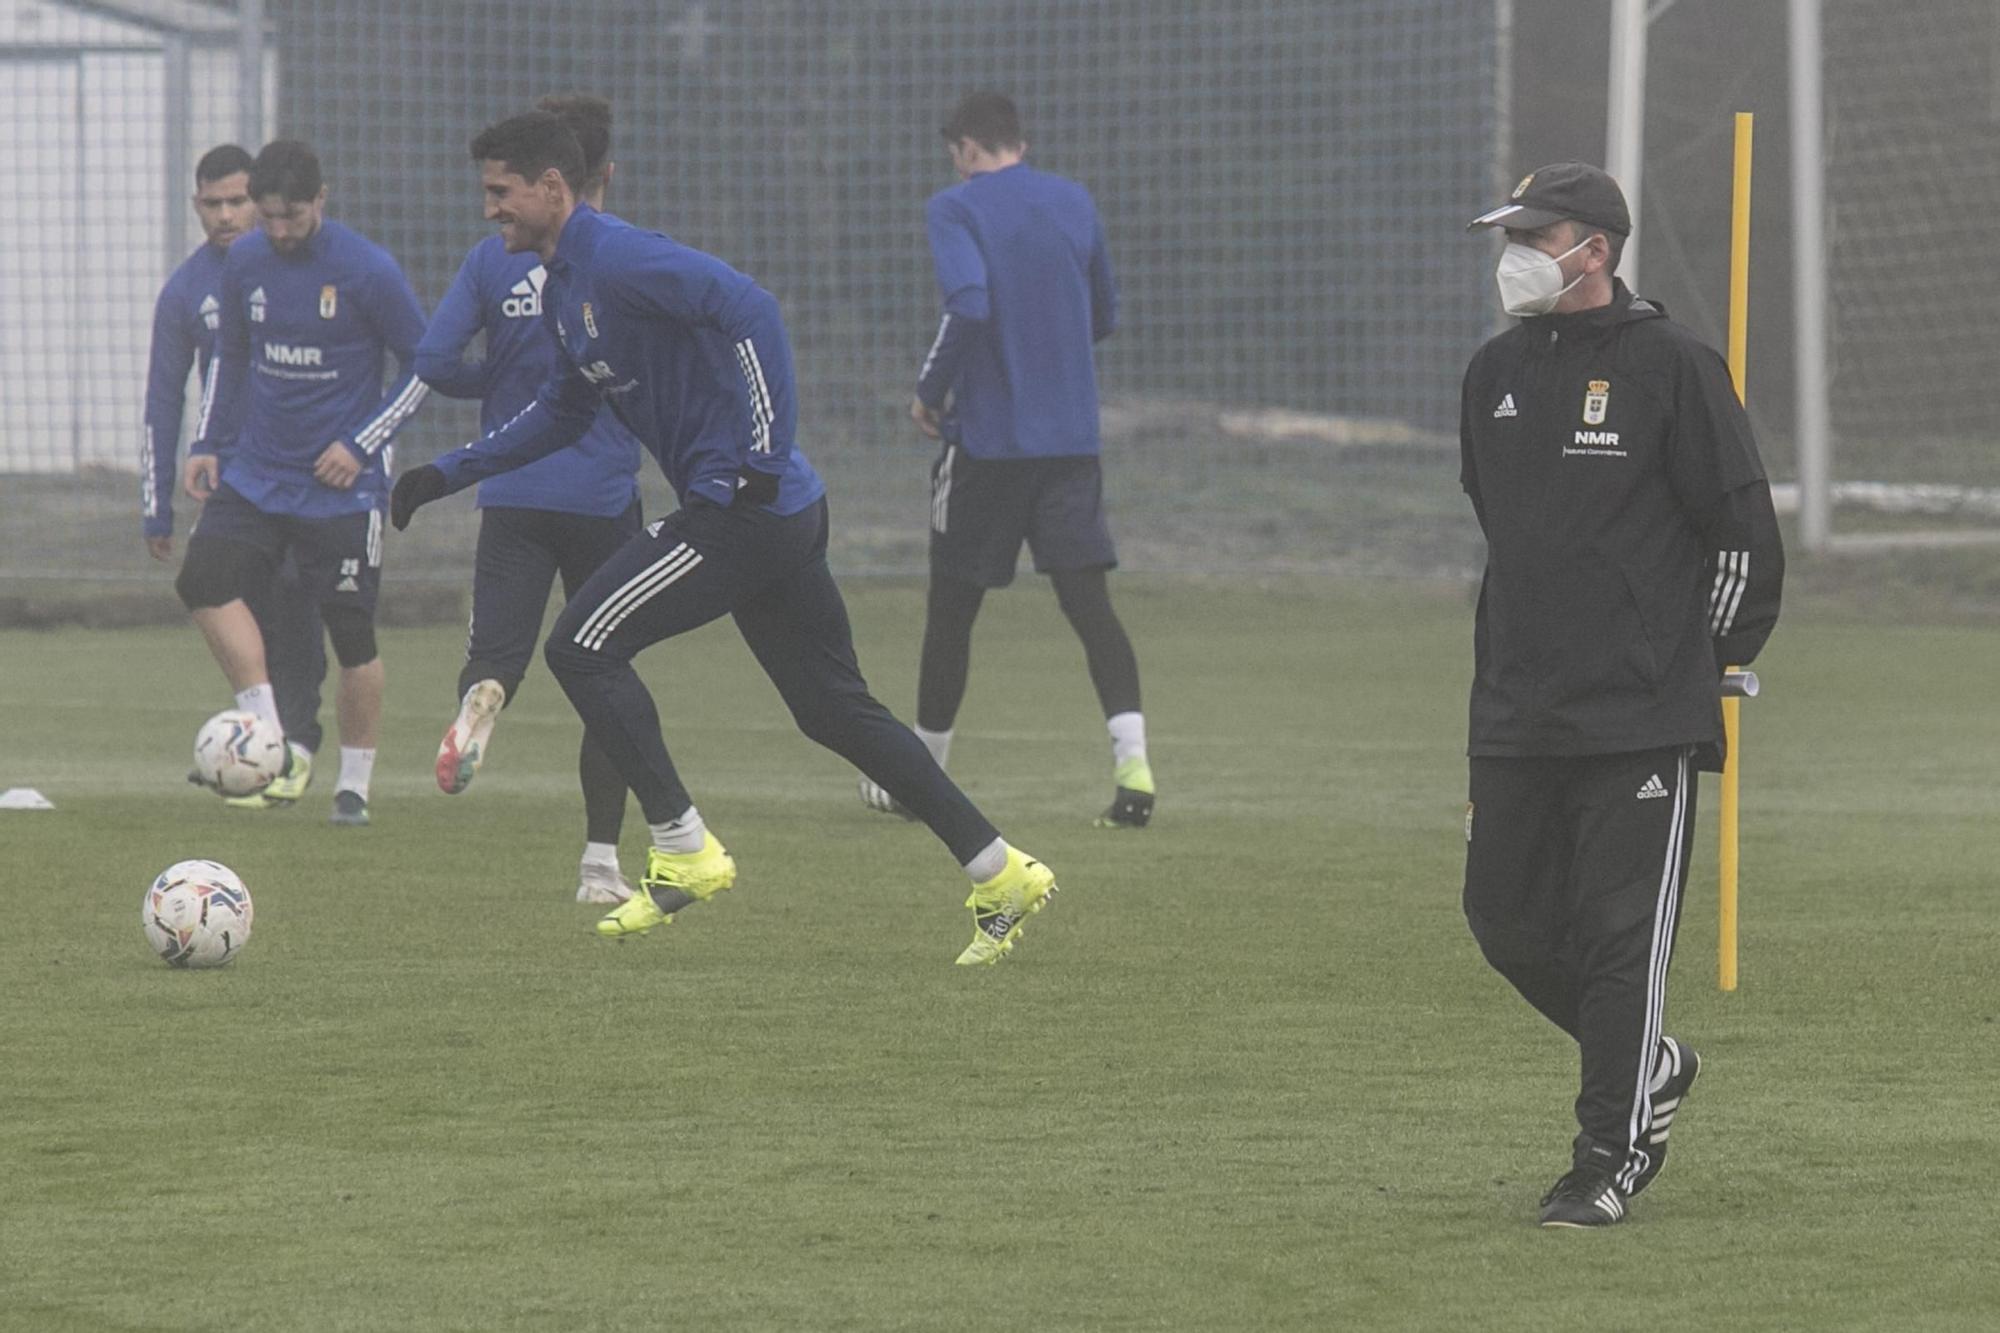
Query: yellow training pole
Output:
(1739,328)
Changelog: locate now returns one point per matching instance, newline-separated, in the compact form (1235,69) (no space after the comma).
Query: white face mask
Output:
(1530,281)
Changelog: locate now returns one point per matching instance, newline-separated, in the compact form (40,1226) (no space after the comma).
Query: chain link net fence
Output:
(1283,184)
(1913,191)
(1910,145)
(107,110)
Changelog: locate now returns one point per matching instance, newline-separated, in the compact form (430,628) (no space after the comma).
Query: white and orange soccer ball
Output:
(236,754)
(197,914)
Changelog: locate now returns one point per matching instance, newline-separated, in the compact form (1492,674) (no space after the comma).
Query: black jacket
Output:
(1632,551)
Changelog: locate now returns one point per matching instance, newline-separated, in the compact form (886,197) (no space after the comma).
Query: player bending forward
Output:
(694,359)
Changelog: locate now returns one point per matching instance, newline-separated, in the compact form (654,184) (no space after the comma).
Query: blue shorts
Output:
(983,509)
(339,559)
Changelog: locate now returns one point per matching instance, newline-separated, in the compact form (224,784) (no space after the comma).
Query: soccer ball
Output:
(197,914)
(236,754)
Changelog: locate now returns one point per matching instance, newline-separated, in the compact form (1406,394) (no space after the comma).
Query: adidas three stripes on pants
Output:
(1574,870)
(769,573)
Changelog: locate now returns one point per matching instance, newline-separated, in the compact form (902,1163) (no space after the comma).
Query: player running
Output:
(693,357)
(185,319)
(563,514)
(1010,387)
(308,307)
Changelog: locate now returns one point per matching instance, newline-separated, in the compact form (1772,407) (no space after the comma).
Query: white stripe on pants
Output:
(634,593)
(1666,908)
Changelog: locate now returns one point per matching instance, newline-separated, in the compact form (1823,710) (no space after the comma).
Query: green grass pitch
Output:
(1248,1072)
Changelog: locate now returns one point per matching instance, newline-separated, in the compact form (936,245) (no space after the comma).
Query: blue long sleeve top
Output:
(690,354)
(500,295)
(1027,288)
(299,365)
(185,319)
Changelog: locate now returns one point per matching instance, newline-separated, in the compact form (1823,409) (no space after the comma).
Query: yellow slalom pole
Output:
(1739,332)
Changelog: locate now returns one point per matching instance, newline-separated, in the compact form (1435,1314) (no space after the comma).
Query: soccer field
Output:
(1248,1072)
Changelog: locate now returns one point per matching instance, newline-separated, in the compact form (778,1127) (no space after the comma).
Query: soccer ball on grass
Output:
(197,914)
(236,754)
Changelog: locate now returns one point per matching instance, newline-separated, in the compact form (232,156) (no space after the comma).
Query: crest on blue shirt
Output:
(589,320)
(329,301)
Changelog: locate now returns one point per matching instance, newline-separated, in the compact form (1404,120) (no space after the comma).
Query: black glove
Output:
(414,489)
(754,487)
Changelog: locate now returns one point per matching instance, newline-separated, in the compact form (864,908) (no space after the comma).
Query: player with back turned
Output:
(185,320)
(310,309)
(1010,388)
(564,514)
(1632,554)
(693,357)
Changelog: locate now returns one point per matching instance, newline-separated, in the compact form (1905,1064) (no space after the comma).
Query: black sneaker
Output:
(1129,809)
(1132,801)
(349,808)
(1587,1195)
(1683,1068)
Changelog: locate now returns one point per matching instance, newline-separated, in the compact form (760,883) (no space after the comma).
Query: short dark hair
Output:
(529,144)
(589,119)
(988,119)
(222,160)
(1583,231)
(288,169)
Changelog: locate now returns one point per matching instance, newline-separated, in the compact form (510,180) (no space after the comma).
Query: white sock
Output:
(603,854)
(261,700)
(989,862)
(1128,736)
(1662,1069)
(937,742)
(680,835)
(356,767)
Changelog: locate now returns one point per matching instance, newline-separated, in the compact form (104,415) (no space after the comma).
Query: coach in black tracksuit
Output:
(1632,552)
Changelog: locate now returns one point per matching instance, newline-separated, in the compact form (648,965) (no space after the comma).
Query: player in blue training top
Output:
(693,357)
(1010,387)
(566,513)
(309,307)
(185,320)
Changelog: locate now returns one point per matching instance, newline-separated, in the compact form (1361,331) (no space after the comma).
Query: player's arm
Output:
(1103,288)
(1468,467)
(172,356)
(224,389)
(961,277)
(1720,480)
(395,317)
(559,416)
(655,278)
(441,353)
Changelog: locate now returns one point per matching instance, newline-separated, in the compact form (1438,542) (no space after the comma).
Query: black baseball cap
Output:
(1561,191)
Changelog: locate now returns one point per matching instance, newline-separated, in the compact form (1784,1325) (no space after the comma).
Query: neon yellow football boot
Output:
(1002,904)
(673,881)
(284,789)
(291,784)
(1132,803)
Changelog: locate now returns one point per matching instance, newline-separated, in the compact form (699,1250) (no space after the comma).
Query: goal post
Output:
(1811,432)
